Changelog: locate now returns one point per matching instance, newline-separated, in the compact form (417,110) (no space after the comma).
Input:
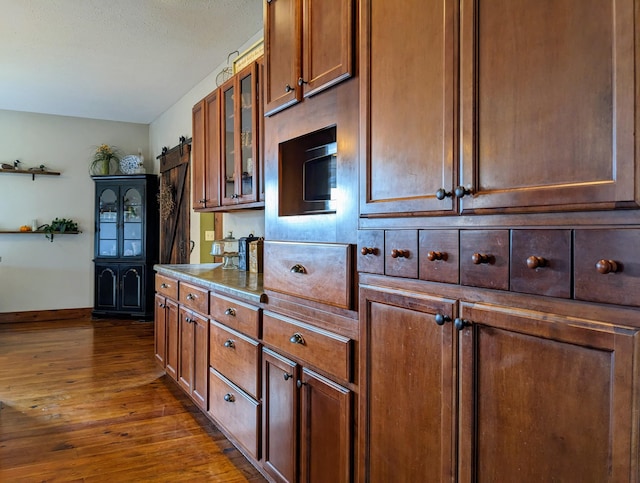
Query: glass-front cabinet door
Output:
(239,140)
(107,229)
(132,223)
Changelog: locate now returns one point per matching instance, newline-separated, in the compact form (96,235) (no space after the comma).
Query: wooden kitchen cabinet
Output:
(308,48)
(301,405)
(542,396)
(546,107)
(206,153)
(166,331)
(193,360)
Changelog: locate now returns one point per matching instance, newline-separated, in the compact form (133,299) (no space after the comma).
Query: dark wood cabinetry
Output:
(308,48)
(206,153)
(193,360)
(126,245)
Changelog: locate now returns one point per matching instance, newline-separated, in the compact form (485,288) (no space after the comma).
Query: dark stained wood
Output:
(193,297)
(193,360)
(492,247)
(547,105)
(401,253)
(370,251)
(546,400)
(44,315)
(84,400)
(242,317)
(439,252)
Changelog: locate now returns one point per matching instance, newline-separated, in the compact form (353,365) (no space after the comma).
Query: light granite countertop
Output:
(235,283)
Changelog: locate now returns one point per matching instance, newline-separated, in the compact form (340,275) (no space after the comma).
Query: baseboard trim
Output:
(44,315)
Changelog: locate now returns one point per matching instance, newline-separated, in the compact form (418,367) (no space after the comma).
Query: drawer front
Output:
(235,411)
(484,258)
(242,317)
(167,286)
(315,271)
(541,262)
(196,298)
(371,251)
(439,255)
(236,357)
(401,253)
(605,265)
(325,350)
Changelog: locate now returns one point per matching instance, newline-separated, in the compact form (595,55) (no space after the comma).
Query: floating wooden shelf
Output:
(51,234)
(31,172)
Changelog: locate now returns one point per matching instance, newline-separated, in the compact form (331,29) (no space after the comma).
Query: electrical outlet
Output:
(209,235)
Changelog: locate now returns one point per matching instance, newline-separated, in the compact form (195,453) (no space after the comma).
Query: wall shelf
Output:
(33,173)
(49,235)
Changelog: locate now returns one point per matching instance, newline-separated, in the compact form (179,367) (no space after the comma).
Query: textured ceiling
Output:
(123,60)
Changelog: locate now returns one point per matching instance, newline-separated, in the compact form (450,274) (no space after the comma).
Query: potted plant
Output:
(58,225)
(105,160)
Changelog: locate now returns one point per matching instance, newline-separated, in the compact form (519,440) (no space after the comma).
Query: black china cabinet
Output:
(126,245)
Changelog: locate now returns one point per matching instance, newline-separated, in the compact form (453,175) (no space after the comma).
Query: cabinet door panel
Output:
(160,330)
(173,338)
(185,350)
(200,360)
(198,185)
(407,389)
(547,105)
(106,287)
(408,143)
(132,283)
(558,399)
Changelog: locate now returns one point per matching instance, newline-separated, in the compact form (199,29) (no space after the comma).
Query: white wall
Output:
(36,274)
(175,122)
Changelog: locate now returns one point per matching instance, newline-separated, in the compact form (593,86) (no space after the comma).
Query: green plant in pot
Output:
(58,225)
(105,160)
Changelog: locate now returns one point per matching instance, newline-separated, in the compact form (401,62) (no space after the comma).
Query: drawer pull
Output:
(297,268)
(461,191)
(433,256)
(297,339)
(287,376)
(162,306)
(478,258)
(229,397)
(441,194)
(536,262)
(399,253)
(229,343)
(231,312)
(369,251)
(288,88)
(188,320)
(461,323)
(164,285)
(190,296)
(442,319)
(606,266)
(299,383)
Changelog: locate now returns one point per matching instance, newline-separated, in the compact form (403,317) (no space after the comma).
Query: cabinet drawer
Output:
(541,262)
(236,357)
(325,350)
(401,253)
(237,315)
(235,411)
(439,255)
(484,258)
(315,271)
(371,251)
(167,286)
(606,269)
(195,298)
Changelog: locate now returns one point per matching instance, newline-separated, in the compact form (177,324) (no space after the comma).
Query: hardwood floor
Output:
(83,401)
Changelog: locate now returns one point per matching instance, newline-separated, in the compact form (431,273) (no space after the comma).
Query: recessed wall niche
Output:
(307,173)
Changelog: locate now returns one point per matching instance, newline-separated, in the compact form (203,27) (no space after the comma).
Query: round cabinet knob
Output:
(297,338)
(441,194)
(399,253)
(478,258)
(190,296)
(301,81)
(229,397)
(229,343)
(231,312)
(164,285)
(606,266)
(433,256)
(442,319)
(297,268)
(461,323)
(536,262)
(299,383)
(287,376)
(288,88)
(369,251)
(461,191)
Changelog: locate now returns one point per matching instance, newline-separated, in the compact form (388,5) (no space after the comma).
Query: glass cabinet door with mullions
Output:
(127,231)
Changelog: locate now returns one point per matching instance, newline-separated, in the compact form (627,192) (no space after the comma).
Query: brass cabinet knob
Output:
(442,319)
(433,256)
(536,262)
(229,343)
(399,253)
(231,312)
(229,397)
(606,266)
(297,268)
(441,194)
(478,258)
(369,251)
(297,338)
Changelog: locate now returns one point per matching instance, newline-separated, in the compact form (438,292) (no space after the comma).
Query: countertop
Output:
(236,283)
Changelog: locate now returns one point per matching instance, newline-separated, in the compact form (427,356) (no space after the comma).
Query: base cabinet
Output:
(300,405)
(554,393)
(193,360)
(166,330)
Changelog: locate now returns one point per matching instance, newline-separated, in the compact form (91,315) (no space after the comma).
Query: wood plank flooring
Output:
(83,401)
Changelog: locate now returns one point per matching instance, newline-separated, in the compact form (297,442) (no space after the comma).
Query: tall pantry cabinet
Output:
(497,239)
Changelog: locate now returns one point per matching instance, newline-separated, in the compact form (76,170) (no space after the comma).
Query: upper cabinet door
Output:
(327,35)
(547,105)
(408,80)
(282,50)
